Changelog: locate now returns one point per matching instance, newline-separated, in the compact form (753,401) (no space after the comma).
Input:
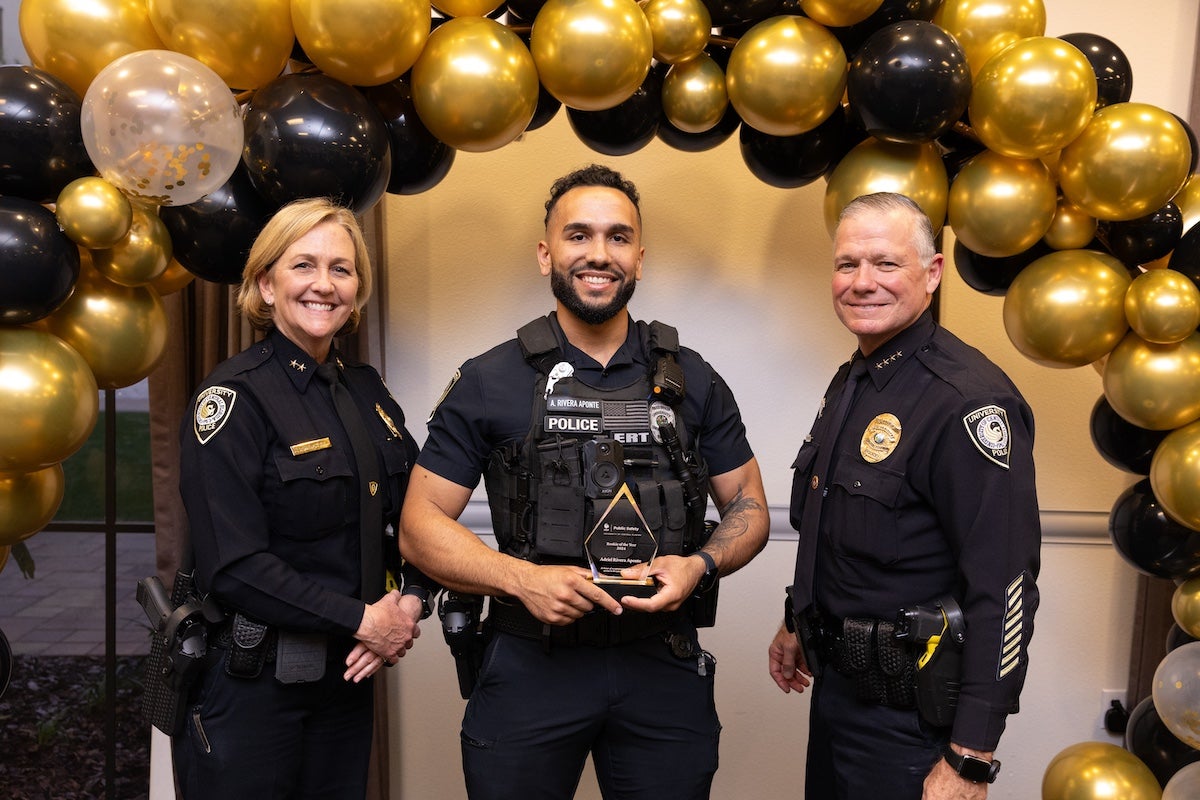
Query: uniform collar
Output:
(888,358)
(623,357)
(296,362)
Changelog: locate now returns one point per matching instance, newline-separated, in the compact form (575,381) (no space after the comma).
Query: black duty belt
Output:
(597,628)
(883,668)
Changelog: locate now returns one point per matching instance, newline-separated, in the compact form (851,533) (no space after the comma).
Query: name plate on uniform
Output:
(621,538)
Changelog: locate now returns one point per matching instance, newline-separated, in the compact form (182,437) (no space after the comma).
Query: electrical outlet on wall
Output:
(1109,727)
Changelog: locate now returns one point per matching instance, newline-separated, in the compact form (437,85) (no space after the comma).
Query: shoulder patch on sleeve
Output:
(213,407)
(453,380)
(989,432)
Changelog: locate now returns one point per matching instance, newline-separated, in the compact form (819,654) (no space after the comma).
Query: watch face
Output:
(978,770)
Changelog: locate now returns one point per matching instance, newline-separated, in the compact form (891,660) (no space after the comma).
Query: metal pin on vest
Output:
(561,370)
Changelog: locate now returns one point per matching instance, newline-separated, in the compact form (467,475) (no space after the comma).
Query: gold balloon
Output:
(93,212)
(693,94)
(985,27)
(1071,229)
(839,13)
(591,54)
(1033,98)
(1188,200)
(1163,306)
(174,277)
(1067,309)
(121,331)
(48,400)
(28,501)
(362,42)
(1154,386)
(475,86)
(1098,771)
(1185,606)
(786,75)
(246,42)
(678,28)
(467,8)
(74,41)
(1000,206)
(1175,475)
(142,255)
(915,170)
(1128,162)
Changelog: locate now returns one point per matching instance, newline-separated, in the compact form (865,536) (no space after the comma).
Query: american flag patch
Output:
(1010,643)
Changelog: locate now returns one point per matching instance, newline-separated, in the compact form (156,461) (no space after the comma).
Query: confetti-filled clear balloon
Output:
(1176,692)
(162,127)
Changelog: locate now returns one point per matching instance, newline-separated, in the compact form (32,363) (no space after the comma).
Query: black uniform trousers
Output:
(259,739)
(864,751)
(646,716)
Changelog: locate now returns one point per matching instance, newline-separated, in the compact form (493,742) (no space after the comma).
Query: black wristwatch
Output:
(709,579)
(972,768)
(422,594)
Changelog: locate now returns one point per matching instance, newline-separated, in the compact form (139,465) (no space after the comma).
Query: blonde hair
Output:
(287,225)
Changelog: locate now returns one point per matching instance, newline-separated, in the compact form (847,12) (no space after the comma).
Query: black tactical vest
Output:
(585,445)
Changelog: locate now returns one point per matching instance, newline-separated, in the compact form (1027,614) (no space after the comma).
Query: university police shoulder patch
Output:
(213,407)
(988,429)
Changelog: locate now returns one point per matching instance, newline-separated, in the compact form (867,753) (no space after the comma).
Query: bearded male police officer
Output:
(919,536)
(584,412)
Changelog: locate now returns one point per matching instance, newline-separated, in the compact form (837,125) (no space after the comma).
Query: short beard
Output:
(564,292)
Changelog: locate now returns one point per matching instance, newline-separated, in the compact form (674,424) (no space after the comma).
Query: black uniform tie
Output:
(810,519)
(370,501)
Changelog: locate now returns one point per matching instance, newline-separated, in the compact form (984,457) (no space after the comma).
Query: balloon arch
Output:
(150,140)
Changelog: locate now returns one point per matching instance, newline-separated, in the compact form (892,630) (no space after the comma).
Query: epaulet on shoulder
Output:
(251,358)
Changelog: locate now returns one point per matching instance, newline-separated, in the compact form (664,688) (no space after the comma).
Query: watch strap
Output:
(709,579)
(972,768)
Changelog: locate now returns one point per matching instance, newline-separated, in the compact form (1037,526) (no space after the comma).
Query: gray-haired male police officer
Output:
(914,595)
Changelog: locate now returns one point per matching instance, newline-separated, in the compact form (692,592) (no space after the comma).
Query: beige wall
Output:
(741,268)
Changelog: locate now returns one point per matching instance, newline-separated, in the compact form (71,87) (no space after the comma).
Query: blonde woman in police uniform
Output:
(271,486)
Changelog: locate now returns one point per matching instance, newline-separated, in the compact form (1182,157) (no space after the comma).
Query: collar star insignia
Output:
(298,366)
(889,360)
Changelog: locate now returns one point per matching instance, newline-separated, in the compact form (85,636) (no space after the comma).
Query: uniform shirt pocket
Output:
(863,522)
(316,491)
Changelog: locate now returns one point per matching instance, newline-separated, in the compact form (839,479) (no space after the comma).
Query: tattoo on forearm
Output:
(734,522)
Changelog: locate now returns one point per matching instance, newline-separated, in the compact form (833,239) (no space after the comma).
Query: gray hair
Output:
(887,202)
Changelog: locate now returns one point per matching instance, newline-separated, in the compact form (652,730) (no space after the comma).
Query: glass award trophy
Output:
(620,538)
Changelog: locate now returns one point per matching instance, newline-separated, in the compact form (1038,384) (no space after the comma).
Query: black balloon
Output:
(38,263)
(690,142)
(310,135)
(909,82)
(41,145)
(790,161)
(1185,257)
(1195,146)
(1148,738)
(626,127)
(735,17)
(1123,444)
(1114,75)
(419,159)
(1149,540)
(1178,637)
(993,275)
(889,12)
(547,106)
(212,236)
(1142,240)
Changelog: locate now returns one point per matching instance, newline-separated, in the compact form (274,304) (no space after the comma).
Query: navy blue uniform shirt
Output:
(490,403)
(931,492)
(268,480)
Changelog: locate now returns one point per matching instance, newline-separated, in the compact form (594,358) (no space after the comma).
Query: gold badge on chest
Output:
(880,438)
